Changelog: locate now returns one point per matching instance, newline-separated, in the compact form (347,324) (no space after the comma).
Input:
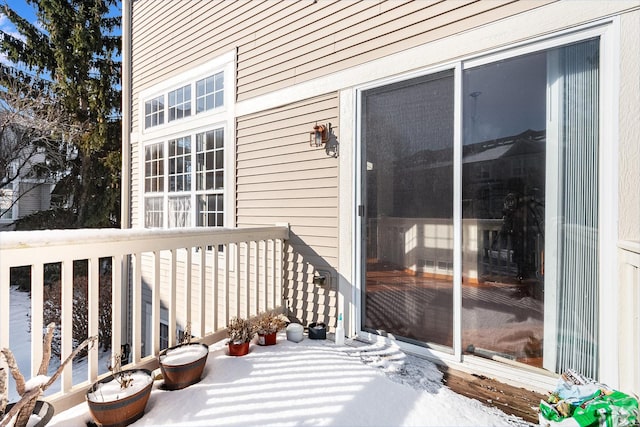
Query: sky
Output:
(310,383)
(7,27)
(28,12)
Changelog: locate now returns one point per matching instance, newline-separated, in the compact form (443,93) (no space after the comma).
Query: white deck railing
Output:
(214,273)
(628,315)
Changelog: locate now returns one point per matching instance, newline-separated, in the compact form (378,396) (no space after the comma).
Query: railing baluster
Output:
(187,287)
(215,280)
(93,284)
(273,272)
(202,289)
(238,279)
(136,303)
(256,275)
(116,301)
(172,297)
(66,314)
(225,284)
(155,306)
(247,279)
(37,315)
(5,277)
(265,268)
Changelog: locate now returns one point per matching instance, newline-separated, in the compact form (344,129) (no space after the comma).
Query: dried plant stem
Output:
(15,372)
(88,342)
(46,348)
(25,405)
(4,384)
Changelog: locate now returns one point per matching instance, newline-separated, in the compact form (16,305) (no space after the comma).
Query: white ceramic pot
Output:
(294,332)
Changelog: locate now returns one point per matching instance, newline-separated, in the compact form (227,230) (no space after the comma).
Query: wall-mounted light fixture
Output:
(320,135)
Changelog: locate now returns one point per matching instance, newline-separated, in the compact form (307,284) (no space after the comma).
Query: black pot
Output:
(44,410)
(317,331)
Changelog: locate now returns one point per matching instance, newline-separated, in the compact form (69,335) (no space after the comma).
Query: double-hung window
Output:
(184,161)
(188,182)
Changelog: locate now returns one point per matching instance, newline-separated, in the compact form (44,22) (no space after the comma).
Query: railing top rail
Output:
(172,237)
(630,245)
(47,246)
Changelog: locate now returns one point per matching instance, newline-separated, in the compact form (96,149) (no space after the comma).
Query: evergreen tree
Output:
(74,48)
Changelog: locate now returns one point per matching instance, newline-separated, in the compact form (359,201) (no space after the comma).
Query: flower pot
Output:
(127,407)
(182,365)
(41,413)
(317,331)
(294,332)
(238,349)
(267,339)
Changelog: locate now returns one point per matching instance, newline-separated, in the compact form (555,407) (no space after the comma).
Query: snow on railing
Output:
(197,276)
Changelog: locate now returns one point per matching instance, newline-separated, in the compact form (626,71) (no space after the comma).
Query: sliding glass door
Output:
(528,168)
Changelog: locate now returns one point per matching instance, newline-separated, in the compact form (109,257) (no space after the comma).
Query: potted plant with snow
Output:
(267,325)
(182,365)
(241,332)
(120,398)
(29,410)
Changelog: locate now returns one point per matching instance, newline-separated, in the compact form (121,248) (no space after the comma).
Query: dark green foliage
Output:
(47,220)
(74,53)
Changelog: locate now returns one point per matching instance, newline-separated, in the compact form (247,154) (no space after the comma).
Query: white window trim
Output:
(223,117)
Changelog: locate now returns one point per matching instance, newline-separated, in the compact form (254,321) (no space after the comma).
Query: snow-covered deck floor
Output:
(311,383)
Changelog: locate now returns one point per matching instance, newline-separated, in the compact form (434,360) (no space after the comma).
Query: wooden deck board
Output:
(511,400)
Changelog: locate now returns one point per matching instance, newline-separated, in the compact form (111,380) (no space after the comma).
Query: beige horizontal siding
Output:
(357,34)
(137,205)
(280,43)
(280,178)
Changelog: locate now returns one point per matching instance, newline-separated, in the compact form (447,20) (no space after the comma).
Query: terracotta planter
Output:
(43,410)
(177,376)
(267,339)
(238,349)
(122,412)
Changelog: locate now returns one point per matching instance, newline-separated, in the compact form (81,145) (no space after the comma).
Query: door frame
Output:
(351,225)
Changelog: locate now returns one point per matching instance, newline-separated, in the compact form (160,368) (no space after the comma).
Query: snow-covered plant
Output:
(31,390)
(240,330)
(269,322)
(115,367)
(186,335)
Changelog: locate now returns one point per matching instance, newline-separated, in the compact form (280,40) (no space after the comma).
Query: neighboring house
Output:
(478,192)
(24,195)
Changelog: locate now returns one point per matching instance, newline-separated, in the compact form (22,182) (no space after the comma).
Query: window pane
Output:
(530,291)
(407,133)
(180,103)
(179,212)
(209,92)
(180,164)
(153,212)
